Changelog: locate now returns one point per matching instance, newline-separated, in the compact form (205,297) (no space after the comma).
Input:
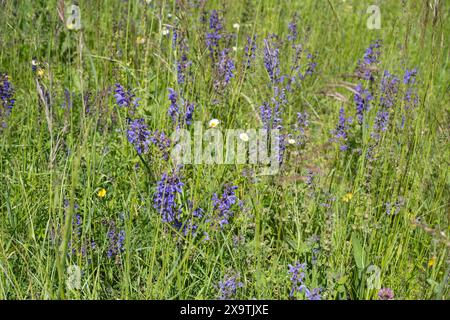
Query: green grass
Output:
(49,154)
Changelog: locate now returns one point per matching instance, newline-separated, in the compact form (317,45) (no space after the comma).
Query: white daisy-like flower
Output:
(236,26)
(291,141)
(234,49)
(244,137)
(213,123)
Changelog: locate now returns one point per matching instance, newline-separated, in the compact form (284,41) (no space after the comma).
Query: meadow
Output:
(94,204)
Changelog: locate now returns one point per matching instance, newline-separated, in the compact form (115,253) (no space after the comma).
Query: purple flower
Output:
(250,51)
(362,100)
(340,133)
(225,70)
(162,142)
(139,135)
(174,108)
(389,88)
(125,98)
(409,79)
(366,67)
(385,294)
(292,27)
(188,115)
(116,240)
(297,273)
(224,204)
(271,58)
(228,287)
(6,99)
(165,197)
(213,37)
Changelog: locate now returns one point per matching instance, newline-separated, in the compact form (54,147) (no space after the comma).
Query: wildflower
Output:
(244,137)
(347,197)
(34,64)
(165,31)
(164,198)
(213,37)
(410,97)
(432,262)
(174,108)
(298,275)
(162,142)
(116,241)
(386,294)
(139,135)
(250,51)
(292,27)
(291,141)
(40,72)
(140,40)
(228,287)
(6,99)
(367,66)
(213,123)
(225,71)
(224,204)
(101,193)
(236,26)
(340,133)
(125,98)
(362,99)
(271,59)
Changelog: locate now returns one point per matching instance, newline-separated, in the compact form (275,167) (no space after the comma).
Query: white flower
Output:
(213,123)
(236,26)
(291,141)
(234,48)
(244,137)
(165,31)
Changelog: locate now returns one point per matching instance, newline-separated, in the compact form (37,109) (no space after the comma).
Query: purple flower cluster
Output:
(139,135)
(340,133)
(164,199)
(125,98)
(271,58)
(386,294)
(214,35)
(297,273)
(389,89)
(116,239)
(228,287)
(175,112)
(292,28)
(410,98)
(162,142)
(367,66)
(225,71)
(6,99)
(250,51)
(174,108)
(224,205)
(183,63)
(362,100)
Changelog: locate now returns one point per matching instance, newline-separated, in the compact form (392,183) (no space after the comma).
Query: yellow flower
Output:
(140,40)
(101,193)
(432,262)
(347,197)
(40,72)
(214,123)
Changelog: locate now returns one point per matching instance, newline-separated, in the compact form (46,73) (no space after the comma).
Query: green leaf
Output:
(358,252)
